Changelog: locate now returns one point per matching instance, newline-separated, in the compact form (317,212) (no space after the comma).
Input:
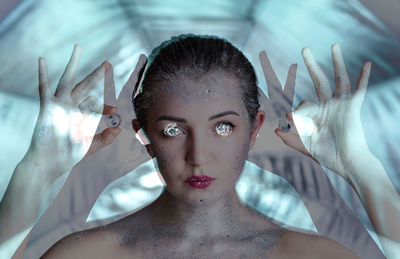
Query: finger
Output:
(362,83)
(67,79)
(125,100)
(270,77)
(137,75)
(293,140)
(290,83)
(305,109)
(304,118)
(105,138)
(263,100)
(91,104)
(289,115)
(44,82)
(109,86)
(321,82)
(109,109)
(342,80)
(83,88)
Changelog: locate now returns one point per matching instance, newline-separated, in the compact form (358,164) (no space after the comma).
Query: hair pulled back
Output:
(192,56)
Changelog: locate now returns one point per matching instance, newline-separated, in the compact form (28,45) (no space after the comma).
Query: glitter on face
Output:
(223,129)
(171,129)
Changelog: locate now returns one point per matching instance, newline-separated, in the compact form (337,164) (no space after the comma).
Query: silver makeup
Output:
(171,129)
(223,129)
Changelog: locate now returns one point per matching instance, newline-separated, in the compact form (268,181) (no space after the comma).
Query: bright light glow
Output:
(304,125)
(130,198)
(268,198)
(89,125)
(61,121)
(150,180)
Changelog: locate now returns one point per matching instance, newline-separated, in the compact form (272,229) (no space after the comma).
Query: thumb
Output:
(105,138)
(291,137)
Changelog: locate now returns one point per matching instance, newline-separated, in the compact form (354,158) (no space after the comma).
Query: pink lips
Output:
(199,182)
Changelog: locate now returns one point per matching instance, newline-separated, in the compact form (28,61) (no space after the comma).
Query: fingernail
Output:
(142,56)
(107,66)
(335,47)
(305,51)
(367,65)
(77,46)
(262,54)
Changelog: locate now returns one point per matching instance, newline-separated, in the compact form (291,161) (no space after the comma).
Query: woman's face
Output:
(199,131)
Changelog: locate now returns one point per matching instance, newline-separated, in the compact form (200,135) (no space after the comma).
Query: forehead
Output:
(211,86)
(213,92)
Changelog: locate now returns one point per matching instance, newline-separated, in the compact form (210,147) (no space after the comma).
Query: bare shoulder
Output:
(300,245)
(102,242)
(92,243)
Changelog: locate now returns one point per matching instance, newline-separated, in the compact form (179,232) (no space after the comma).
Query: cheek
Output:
(240,157)
(236,154)
(164,156)
(167,160)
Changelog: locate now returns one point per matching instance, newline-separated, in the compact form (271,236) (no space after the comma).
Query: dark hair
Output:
(193,56)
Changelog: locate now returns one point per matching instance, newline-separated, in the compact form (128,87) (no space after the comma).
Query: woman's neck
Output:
(178,217)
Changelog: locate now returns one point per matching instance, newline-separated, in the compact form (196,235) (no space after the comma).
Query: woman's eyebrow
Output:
(221,114)
(177,119)
(170,118)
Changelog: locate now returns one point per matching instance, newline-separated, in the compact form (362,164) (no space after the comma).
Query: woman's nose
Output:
(198,152)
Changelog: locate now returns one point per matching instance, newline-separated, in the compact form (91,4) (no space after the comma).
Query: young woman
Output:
(198,114)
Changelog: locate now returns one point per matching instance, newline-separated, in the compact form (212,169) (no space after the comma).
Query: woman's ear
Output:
(142,137)
(260,117)
(135,125)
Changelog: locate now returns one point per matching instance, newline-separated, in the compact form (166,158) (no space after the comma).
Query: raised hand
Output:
(62,136)
(275,106)
(332,131)
(68,119)
(333,135)
(125,152)
(280,100)
(112,157)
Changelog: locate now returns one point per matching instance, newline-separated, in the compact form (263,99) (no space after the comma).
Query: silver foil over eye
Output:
(284,124)
(113,120)
(223,129)
(171,129)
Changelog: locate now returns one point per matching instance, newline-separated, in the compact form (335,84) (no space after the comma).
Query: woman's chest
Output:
(250,247)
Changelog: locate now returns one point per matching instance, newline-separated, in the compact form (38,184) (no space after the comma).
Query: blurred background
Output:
(120,30)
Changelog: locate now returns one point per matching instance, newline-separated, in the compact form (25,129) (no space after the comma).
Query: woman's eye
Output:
(224,129)
(171,130)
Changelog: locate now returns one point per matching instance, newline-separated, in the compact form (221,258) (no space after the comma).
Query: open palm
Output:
(332,131)
(68,119)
